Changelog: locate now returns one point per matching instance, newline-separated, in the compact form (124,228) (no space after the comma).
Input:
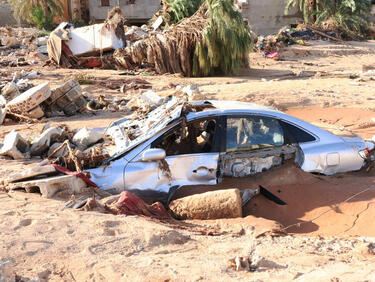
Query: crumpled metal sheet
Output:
(241,164)
(132,130)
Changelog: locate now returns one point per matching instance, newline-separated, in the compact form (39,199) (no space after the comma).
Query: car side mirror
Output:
(153,155)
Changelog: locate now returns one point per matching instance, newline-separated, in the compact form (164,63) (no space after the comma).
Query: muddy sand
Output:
(330,232)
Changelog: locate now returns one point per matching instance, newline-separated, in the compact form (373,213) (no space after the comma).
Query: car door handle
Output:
(202,171)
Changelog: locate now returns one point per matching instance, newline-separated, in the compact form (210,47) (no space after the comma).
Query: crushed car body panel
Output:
(322,152)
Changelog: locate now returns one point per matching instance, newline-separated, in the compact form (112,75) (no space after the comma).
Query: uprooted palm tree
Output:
(215,40)
(176,10)
(350,15)
(37,12)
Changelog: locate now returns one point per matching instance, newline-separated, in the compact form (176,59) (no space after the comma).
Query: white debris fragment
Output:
(86,137)
(15,146)
(3,102)
(3,113)
(148,99)
(41,144)
(41,41)
(157,23)
(32,172)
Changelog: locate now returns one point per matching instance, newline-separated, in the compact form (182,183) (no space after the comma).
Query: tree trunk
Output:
(45,7)
(313,7)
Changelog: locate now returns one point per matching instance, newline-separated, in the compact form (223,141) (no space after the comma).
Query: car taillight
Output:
(365,154)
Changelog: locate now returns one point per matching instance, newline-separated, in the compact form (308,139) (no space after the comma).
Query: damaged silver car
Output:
(200,142)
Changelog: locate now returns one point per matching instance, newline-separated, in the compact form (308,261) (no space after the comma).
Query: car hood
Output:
(134,129)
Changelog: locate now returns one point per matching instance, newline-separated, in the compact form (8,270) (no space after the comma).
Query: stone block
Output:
(209,205)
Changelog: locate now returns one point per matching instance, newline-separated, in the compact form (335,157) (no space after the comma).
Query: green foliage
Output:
(351,15)
(179,9)
(226,41)
(38,19)
(37,12)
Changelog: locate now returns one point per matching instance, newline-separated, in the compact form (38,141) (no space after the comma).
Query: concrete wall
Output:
(6,15)
(140,12)
(267,16)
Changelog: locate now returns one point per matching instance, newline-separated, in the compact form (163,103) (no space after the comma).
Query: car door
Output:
(192,154)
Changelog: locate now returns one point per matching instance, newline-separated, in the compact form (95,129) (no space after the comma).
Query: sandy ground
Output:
(316,83)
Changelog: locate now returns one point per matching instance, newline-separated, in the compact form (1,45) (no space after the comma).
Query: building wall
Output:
(267,16)
(140,11)
(6,15)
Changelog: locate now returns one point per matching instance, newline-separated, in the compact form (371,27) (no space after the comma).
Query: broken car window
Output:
(192,138)
(253,132)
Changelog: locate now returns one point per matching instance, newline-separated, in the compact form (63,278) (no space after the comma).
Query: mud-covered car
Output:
(201,142)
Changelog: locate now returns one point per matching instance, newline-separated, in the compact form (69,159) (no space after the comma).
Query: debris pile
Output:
(88,46)
(270,45)
(40,101)
(22,47)
(215,39)
(78,150)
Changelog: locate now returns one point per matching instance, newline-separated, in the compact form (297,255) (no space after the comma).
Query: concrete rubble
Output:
(30,99)
(85,137)
(15,146)
(43,142)
(49,187)
(40,101)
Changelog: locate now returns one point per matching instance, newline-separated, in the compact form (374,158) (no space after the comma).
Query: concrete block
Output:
(36,112)
(86,137)
(30,99)
(209,205)
(3,113)
(68,97)
(35,171)
(42,143)
(51,185)
(15,146)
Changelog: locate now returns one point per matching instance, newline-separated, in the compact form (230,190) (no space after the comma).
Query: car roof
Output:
(219,107)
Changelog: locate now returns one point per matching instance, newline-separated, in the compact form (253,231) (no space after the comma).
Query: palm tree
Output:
(350,15)
(23,9)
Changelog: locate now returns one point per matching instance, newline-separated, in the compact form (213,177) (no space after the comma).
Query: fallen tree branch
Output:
(71,154)
(324,34)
